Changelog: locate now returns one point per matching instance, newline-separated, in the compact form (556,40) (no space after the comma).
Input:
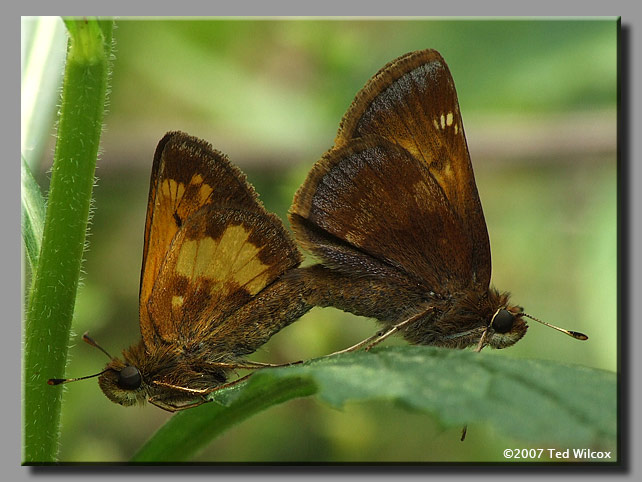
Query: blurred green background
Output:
(538,99)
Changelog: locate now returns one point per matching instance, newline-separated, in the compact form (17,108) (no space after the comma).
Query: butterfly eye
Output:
(503,321)
(129,378)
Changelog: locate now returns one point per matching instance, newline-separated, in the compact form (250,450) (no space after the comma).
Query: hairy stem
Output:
(51,303)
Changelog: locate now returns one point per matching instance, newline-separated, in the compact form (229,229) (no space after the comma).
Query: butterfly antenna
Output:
(87,339)
(60,381)
(575,334)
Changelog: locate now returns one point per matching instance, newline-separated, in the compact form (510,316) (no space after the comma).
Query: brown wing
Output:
(218,261)
(412,102)
(187,174)
(372,197)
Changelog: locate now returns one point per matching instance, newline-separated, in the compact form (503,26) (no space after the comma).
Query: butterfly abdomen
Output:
(370,296)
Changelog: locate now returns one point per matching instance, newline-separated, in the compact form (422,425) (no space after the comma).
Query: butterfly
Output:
(393,213)
(219,277)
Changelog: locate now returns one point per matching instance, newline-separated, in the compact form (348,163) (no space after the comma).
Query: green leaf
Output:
(33,214)
(184,435)
(528,400)
(43,58)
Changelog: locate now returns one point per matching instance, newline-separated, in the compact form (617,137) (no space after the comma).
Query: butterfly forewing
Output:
(412,102)
(187,174)
(218,261)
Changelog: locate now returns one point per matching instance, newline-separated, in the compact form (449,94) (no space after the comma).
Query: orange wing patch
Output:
(231,258)
(218,261)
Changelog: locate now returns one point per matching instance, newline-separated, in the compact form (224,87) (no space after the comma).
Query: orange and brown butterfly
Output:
(393,214)
(219,278)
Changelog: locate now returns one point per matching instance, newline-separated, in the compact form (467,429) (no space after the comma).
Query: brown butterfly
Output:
(218,279)
(393,213)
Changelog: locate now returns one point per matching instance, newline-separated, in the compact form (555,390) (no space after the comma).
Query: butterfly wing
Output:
(372,196)
(218,261)
(187,174)
(412,103)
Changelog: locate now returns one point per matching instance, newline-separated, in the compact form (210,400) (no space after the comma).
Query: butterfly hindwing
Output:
(374,197)
(412,102)
(219,260)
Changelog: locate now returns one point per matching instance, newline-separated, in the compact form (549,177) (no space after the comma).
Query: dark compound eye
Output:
(129,378)
(503,321)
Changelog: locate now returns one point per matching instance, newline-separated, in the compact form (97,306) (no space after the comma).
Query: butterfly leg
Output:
(382,335)
(480,346)
(398,327)
(169,407)
(361,344)
(252,365)
(275,365)
(482,342)
(208,391)
(201,391)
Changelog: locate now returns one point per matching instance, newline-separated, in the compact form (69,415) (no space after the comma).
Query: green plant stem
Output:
(51,304)
(188,432)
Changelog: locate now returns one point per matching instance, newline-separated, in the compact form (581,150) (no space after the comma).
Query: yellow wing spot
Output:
(443,121)
(449,119)
(247,270)
(172,189)
(456,129)
(177,307)
(204,193)
(230,258)
(445,176)
(204,190)
(436,124)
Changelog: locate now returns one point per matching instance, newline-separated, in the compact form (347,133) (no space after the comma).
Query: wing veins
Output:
(238,253)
